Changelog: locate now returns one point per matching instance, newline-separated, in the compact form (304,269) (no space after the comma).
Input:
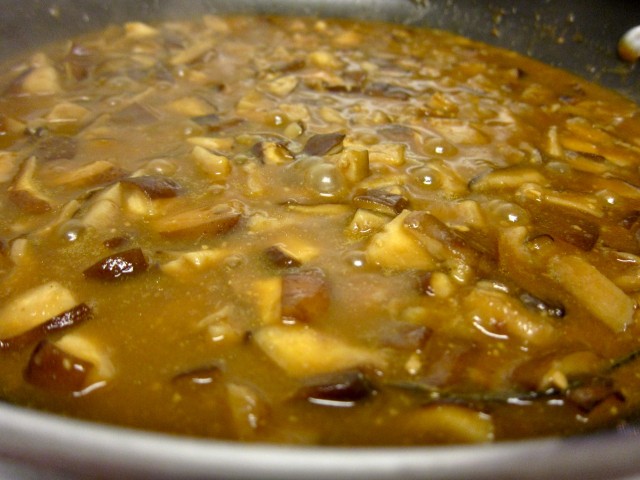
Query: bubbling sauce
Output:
(317,232)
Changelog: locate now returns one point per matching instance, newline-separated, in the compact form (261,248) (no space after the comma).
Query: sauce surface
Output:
(317,232)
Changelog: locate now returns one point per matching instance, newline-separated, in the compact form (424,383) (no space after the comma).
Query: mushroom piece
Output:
(381,201)
(279,257)
(305,295)
(249,410)
(118,266)
(52,368)
(324,144)
(187,263)
(100,171)
(339,389)
(448,423)
(594,291)
(37,311)
(396,248)
(154,186)
(64,320)
(302,351)
(499,315)
(72,364)
(215,220)
(24,192)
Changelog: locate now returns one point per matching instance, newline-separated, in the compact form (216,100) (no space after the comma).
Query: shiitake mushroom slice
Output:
(118,266)
(53,369)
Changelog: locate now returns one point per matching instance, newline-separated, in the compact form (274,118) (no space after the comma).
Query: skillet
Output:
(578,35)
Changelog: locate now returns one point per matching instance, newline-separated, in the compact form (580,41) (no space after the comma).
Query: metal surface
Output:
(579,35)
(68,449)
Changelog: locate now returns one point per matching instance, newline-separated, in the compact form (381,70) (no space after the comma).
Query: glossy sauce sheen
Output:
(317,232)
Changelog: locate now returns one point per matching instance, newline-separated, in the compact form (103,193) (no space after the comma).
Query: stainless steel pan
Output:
(579,35)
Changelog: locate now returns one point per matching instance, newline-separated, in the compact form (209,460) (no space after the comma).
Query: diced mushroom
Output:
(595,292)
(298,249)
(191,53)
(139,30)
(305,295)
(324,144)
(186,263)
(92,351)
(396,248)
(215,220)
(98,172)
(223,326)
(404,336)
(213,144)
(510,178)
(283,86)
(552,145)
(425,283)
(266,294)
(217,167)
(365,223)
(42,80)
(66,115)
(320,209)
(78,61)
(273,153)
(33,309)
(102,214)
(448,423)
(74,316)
(341,389)
(458,132)
(524,261)
(52,368)
(294,130)
(354,164)
(576,202)
(588,396)
(388,153)
(381,201)
(137,204)
(498,315)
(249,410)
(24,192)
(302,351)
(584,137)
(191,106)
(155,186)
(441,242)
(557,371)
(279,257)
(440,285)
(118,266)
(563,224)
(20,251)
(324,59)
